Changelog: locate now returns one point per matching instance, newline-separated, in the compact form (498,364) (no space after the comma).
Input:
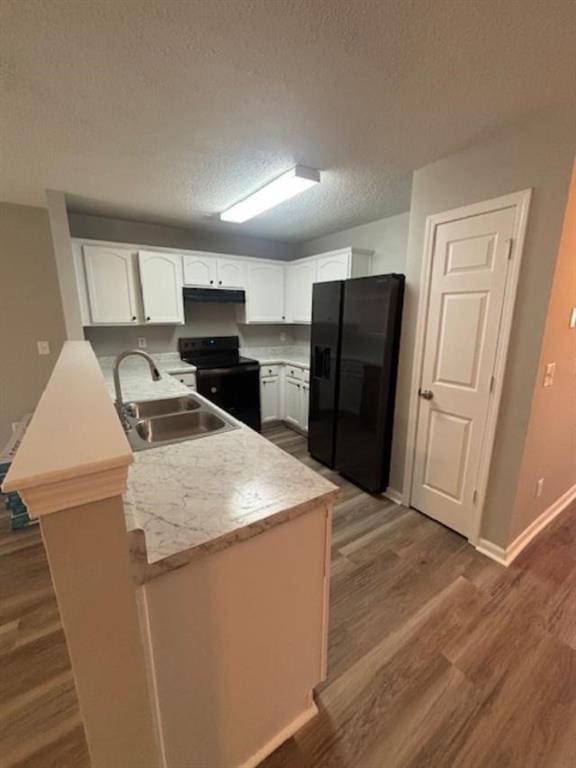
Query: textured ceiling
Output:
(171,110)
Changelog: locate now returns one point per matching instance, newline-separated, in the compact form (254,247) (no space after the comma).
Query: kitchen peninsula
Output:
(206,560)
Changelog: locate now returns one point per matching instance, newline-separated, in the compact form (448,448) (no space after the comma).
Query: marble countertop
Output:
(299,356)
(136,381)
(206,494)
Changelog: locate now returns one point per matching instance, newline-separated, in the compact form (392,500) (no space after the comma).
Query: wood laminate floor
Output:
(438,657)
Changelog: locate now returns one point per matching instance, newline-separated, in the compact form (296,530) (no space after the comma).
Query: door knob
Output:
(426,394)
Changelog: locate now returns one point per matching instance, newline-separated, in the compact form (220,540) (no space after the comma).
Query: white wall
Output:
(388,238)
(202,319)
(538,154)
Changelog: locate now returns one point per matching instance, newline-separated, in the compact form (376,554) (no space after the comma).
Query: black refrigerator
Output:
(355,340)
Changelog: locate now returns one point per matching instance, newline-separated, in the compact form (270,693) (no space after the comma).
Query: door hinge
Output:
(492,382)
(474,497)
(509,245)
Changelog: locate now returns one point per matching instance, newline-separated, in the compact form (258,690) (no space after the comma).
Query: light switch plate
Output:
(549,374)
(43,347)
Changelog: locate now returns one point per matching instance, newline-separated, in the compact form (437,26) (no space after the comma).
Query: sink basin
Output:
(178,425)
(149,408)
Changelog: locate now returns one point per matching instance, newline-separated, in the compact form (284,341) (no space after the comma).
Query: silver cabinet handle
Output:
(425,394)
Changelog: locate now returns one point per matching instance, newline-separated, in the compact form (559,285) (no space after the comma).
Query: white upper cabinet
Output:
(300,278)
(342,264)
(302,274)
(231,273)
(335,266)
(111,281)
(161,280)
(265,292)
(200,269)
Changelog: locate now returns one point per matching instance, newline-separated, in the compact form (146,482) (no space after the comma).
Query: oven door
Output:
(236,390)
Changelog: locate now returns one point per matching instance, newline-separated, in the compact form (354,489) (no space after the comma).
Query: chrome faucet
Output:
(117,388)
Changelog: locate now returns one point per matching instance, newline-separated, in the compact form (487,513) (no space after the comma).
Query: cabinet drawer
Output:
(294,372)
(189,379)
(269,370)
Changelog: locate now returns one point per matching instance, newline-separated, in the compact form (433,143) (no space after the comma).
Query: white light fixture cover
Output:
(291,183)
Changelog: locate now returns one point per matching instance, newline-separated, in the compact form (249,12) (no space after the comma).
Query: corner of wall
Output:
(62,246)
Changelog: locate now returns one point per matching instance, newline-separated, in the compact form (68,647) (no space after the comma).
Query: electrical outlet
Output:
(142,342)
(43,347)
(549,373)
(283,336)
(539,487)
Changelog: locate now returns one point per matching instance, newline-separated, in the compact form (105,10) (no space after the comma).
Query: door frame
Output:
(521,202)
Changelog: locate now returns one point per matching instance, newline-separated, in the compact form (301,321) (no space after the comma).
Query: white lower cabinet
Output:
(292,401)
(305,402)
(270,401)
(284,394)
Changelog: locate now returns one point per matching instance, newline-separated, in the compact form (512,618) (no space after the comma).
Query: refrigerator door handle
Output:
(317,363)
(321,363)
(326,363)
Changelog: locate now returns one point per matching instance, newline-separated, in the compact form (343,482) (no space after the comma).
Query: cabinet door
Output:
(292,402)
(334,266)
(200,269)
(161,279)
(270,399)
(111,283)
(300,279)
(265,293)
(231,273)
(305,404)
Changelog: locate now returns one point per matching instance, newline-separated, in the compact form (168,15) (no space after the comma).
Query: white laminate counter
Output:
(208,493)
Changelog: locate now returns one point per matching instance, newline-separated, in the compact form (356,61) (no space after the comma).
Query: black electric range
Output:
(224,377)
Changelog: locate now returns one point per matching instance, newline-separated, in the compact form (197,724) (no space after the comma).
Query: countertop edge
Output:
(144,572)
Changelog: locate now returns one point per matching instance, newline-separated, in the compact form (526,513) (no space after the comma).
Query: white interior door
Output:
(468,276)
(161,279)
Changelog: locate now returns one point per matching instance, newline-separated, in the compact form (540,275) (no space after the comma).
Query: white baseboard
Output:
(506,556)
(493,551)
(393,495)
(286,733)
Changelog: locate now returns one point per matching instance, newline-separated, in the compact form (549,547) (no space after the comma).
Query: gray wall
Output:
(538,155)
(140,232)
(30,310)
(388,238)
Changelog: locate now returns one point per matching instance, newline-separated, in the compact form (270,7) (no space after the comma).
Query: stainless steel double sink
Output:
(154,423)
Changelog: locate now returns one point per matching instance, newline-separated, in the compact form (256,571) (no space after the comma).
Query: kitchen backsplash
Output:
(201,320)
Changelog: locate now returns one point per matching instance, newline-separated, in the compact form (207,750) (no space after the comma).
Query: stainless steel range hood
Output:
(220,295)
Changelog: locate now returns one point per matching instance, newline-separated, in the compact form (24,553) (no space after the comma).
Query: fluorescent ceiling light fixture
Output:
(291,183)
